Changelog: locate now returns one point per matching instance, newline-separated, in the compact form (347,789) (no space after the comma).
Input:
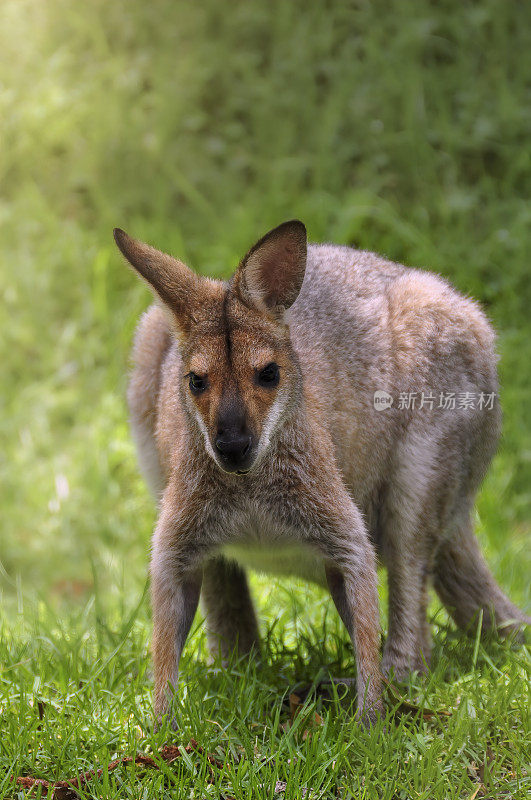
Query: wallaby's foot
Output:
(469,591)
(398,665)
(370,715)
(515,631)
(507,619)
(161,721)
(221,653)
(166,716)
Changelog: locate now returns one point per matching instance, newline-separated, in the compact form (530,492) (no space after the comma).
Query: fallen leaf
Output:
(295,703)
(66,790)
(308,724)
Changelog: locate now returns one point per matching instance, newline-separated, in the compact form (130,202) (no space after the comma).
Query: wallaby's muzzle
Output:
(234,452)
(233,443)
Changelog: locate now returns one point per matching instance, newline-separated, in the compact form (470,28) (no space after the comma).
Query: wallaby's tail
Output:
(466,587)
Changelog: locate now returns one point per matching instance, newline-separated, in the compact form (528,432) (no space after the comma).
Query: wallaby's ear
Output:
(271,274)
(174,283)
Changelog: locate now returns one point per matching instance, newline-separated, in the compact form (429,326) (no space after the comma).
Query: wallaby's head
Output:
(240,375)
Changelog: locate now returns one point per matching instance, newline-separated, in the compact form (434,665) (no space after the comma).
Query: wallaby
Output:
(257,410)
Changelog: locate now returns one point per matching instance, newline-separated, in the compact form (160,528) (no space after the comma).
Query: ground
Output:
(400,127)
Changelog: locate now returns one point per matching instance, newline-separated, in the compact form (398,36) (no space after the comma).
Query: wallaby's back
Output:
(363,324)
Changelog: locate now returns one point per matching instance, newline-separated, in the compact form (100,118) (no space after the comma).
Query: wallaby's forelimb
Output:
(356,608)
(350,567)
(175,590)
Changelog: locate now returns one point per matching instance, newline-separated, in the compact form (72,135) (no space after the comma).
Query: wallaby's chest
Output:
(278,559)
(262,543)
(255,535)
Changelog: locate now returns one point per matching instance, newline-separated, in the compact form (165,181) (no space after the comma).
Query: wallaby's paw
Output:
(221,655)
(368,716)
(515,629)
(399,666)
(163,720)
(165,711)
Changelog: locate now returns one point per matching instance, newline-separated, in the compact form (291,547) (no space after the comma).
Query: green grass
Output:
(400,127)
(92,674)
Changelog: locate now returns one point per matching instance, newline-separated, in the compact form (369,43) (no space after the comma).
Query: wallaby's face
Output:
(240,374)
(240,377)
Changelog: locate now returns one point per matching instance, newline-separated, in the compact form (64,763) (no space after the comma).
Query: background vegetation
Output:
(400,127)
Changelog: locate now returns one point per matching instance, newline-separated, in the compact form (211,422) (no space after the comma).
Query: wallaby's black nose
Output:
(233,449)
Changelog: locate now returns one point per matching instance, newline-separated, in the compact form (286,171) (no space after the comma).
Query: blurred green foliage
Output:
(400,127)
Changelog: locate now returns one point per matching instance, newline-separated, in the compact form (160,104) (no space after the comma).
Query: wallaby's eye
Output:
(197,383)
(269,375)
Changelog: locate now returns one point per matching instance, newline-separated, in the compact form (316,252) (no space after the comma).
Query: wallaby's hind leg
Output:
(466,586)
(424,641)
(406,540)
(408,645)
(230,617)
